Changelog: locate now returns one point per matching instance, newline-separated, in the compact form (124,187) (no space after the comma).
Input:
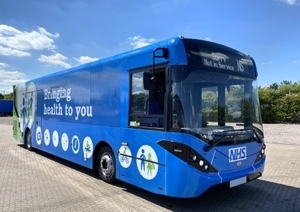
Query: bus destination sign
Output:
(224,61)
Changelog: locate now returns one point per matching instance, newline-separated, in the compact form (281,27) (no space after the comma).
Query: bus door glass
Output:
(147,99)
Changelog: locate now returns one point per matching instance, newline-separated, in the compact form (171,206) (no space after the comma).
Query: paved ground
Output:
(35,181)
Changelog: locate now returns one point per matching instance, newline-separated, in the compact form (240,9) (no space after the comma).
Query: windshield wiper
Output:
(208,148)
(230,133)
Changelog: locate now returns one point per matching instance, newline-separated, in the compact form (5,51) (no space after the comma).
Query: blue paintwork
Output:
(102,88)
(6,106)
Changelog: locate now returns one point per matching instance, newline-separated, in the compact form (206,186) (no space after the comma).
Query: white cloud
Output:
(267,63)
(85,59)
(6,51)
(138,82)
(138,92)
(10,78)
(3,65)
(55,59)
(14,42)
(8,30)
(138,41)
(291,2)
(298,61)
(208,39)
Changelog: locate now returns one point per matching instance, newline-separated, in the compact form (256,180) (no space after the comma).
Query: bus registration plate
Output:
(237,182)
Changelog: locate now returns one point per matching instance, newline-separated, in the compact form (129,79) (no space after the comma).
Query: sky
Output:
(40,37)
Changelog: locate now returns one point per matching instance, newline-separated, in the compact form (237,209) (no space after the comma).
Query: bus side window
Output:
(153,107)
(157,94)
(147,106)
(139,96)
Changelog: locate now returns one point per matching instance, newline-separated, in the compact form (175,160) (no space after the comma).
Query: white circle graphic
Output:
(38,135)
(125,156)
(64,141)
(75,144)
(87,147)
(47,137)
(55,138)
(147,162)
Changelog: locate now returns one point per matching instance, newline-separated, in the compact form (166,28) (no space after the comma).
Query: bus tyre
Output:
(28,140)
(106,165)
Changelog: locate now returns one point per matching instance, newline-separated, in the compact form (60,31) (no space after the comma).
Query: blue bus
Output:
(175,118)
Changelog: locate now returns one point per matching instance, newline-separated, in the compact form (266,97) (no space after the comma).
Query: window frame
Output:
(163,67)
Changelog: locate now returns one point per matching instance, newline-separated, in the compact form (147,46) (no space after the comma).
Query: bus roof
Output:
(175,46)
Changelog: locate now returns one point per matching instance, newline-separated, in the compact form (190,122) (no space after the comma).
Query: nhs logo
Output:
(236,154)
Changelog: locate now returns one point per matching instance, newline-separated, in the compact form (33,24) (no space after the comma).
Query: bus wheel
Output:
(28,140)
(106,165)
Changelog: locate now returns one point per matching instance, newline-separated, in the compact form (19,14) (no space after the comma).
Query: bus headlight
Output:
(188,155)
(195,158)
(206,167)
(261,153)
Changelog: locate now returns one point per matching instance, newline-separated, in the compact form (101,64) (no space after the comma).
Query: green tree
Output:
(268,98)
(138,102)
(274,86)
(9,96)
(280,104)
(287,108)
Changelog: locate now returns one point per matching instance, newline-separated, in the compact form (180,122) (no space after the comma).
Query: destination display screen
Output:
(224,61)
(218,57)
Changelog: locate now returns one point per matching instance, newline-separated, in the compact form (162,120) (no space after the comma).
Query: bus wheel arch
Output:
(104,162)
(27,139)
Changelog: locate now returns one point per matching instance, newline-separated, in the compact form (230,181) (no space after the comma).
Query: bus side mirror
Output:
(158,53)
(147,81)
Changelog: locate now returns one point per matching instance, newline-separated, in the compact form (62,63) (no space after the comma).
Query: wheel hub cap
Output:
(107,167)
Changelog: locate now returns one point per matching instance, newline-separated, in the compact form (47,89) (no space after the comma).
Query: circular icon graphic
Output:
(75,144)
(87,147)
(64,142)
(47,137)
(125,156)
(38,135)
(147,162)
(55,138)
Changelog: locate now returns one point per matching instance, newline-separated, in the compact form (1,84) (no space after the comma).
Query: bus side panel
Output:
(52,95)
(141,161)
(75,142)
(184,180)
(70,141)
(105,94)
(26,106)
(17,119)
(78,110)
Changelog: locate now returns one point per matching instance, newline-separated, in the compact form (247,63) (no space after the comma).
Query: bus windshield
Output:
(214,105)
